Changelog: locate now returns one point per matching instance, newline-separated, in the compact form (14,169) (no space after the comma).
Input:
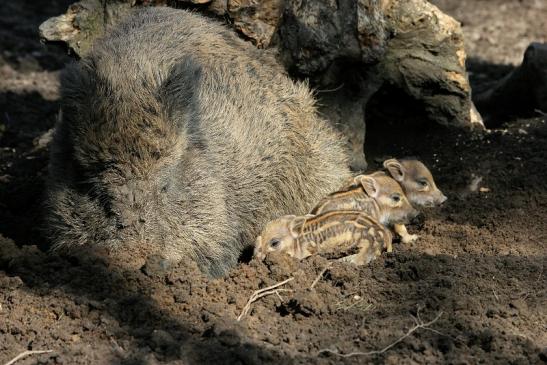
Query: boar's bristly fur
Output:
(179,136)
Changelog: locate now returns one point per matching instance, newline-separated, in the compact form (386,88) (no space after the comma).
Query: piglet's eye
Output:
(423,183)
(396,197)
(275,243)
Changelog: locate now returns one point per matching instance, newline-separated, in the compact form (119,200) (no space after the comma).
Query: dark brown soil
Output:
(479,264)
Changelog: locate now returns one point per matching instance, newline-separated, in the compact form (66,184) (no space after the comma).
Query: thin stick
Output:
(320,275)
(262,293)
(354,304)
(331,90)
(495,295)
(419,324)
(25,354)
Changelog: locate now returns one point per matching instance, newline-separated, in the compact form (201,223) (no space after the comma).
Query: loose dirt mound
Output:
(479,264)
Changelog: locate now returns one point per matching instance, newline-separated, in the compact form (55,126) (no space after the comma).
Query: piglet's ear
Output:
(396,170)
(352,182)
(296,225)
(370,185)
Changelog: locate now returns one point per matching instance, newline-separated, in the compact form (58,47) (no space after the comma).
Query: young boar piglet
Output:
(419,187)
(356,234)
(377,195)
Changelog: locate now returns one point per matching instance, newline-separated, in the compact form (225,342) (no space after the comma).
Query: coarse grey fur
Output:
(179,136)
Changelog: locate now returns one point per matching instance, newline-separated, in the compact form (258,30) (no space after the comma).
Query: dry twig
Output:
(262,293)
(320,275)
(25,354)
(419,324)
(495,295)
(330,90)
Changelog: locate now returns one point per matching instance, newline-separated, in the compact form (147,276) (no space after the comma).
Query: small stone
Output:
(155,265)
(430,251)
(75,338)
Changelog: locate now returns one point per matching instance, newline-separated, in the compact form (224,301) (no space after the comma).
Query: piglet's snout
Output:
(443,198)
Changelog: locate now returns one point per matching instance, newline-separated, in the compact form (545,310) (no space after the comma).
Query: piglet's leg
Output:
(405,236)
(389,247)
(357,259)
(364,257)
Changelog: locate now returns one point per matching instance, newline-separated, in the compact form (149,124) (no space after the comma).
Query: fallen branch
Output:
(25,354)
(320,275)
(262,293)
(419,324)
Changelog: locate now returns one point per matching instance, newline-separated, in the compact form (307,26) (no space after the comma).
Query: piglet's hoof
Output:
(411,238)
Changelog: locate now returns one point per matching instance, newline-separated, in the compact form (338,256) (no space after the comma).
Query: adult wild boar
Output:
(177,136)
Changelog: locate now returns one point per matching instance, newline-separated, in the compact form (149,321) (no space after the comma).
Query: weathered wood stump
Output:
(348,48)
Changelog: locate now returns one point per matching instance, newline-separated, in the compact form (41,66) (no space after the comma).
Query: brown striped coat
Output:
(353,236)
